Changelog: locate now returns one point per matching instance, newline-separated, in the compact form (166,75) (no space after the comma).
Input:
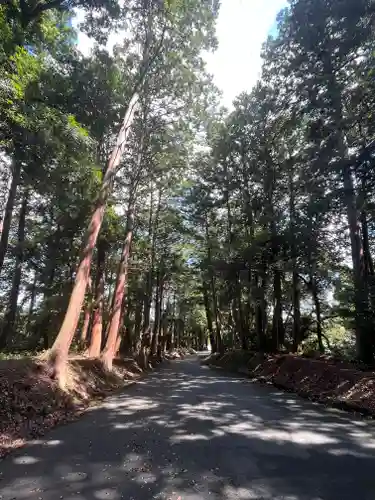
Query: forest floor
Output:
(338,384)
(31,401)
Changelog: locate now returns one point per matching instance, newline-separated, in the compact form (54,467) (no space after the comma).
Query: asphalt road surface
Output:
(189,433)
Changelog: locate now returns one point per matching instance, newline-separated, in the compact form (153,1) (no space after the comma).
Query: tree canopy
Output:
(137,213)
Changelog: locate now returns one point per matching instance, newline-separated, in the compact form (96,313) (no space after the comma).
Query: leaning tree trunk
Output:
(8,213)
(11,314)
(122,277)
(60,349)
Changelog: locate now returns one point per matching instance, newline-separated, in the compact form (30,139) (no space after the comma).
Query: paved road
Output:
(193,433)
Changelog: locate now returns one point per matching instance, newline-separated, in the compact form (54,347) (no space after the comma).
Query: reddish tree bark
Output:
(97,324)
(60,349)
(85,325)
(109,350)
(86,319)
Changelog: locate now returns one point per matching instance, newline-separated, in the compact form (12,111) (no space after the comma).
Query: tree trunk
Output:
(219,343)
(86,318)
(367,257)
(120,289)
(97,322)
(85,326)
(153,229)
(32,302)
(10,316)
(60,348)
(138,321)
(295,277)
(278,332)
(261,313)
(5,226)
(318,313)
(368,264)
(241,319)
(207,308)
(364,333)
(296,300)
(158,306)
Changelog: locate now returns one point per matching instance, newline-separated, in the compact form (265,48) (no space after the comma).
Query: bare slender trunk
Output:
(8,213)
(296,300)
(260,311)
(154,338)
(32,302)
(10,316)
(120,289)
(86,318)
(85,326)
(315,294)
(367,257)
(97,322)
(155,344)
(295,277)
(60,348)
(138,322)
(241,319)
(278,333)
(153,230)
(368,263)
(219,343)
(207,307)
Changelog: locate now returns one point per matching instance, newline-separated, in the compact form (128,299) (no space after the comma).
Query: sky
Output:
(242,27)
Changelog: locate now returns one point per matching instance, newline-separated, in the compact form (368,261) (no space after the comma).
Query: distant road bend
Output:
(189,432)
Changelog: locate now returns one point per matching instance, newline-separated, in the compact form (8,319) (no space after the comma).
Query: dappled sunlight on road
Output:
(190,432)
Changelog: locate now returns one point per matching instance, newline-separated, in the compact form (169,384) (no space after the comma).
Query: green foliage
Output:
(241,219)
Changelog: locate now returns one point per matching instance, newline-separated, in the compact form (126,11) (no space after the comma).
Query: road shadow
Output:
(193,433)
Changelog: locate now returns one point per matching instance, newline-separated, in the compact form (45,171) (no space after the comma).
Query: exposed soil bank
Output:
(338,384)
(31,401)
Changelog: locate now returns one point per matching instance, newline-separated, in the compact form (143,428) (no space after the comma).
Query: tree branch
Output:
(42,7)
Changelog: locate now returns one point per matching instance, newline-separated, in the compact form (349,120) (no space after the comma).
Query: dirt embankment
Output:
(337,384)
(31,402)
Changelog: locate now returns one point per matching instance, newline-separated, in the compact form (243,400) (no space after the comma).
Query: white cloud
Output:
(243,26)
